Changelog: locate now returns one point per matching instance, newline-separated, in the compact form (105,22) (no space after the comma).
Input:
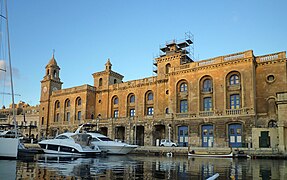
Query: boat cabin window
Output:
(62,137)
(105,139)
(82,139)
(95,139)
(53,147)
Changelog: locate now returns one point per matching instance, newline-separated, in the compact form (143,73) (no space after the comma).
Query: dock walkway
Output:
(183,151)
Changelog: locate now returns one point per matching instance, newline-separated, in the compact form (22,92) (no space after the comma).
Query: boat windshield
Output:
(82,139)
(105,139)
(95,139)
(62,137)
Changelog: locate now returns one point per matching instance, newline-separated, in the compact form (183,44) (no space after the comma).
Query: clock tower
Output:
(51,82)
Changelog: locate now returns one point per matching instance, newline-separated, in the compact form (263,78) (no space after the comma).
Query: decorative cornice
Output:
(130,85)
(213,66)
(272,62)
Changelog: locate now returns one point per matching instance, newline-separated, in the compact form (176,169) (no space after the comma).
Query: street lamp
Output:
(135,142)
(169,132)
(98,118)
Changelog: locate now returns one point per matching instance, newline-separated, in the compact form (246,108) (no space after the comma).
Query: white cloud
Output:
(2,67)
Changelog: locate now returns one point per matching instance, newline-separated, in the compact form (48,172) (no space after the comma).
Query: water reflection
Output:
(140,167)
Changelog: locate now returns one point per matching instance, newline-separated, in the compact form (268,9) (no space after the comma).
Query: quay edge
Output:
(258,153)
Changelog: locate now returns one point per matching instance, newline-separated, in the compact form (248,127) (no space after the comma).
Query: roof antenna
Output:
(53,52)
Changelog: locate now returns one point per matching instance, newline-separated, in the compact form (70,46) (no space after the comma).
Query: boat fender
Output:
(213,177)
(169,154)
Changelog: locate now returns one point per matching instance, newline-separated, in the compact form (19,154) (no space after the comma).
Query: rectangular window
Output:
(150,111)
(79,115)
(234,101)
(68,116)
(116,113)
(132,112)
(207,104)
(57,117)
(183,106)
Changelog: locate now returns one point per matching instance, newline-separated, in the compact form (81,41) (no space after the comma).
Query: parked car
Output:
(167,143)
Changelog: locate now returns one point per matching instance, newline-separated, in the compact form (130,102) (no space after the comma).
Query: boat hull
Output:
(71,154)
(9,147)
(61,148)
(230,155)
(117,150)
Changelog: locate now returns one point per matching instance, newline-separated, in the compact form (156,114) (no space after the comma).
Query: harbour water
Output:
(140,167)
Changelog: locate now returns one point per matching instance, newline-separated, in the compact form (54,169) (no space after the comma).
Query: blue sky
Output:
(86,33)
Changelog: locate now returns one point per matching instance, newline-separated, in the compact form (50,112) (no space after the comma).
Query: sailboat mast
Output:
(10,68)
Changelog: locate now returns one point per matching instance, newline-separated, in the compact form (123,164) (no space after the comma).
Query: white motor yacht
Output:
(106,144)
(70,144)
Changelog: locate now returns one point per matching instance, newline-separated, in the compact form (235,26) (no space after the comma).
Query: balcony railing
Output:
(173,116)
(182,115)
(235,111)
(206,113)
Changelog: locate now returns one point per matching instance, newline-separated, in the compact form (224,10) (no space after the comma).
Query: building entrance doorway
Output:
(207,135)
(103,130)
(158,134)
(264,139)
(120,133)
(183,136)
(138,137)
(235,135)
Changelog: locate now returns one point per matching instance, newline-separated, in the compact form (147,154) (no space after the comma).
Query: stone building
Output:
(216,102)
(27,119)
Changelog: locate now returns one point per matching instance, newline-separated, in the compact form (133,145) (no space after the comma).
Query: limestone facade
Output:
(27,119)
(210,103)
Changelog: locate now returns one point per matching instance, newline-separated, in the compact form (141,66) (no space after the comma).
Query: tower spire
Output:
(108,65)
(53,55)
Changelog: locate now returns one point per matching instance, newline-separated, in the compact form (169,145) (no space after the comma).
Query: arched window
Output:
(234,79)
(167,68)
(67,104)
(57,104)
(132,99)
(166,111)
(183,87)
(131,111)
(116,100)
(115,81)
(149,103)
(55,73)
(79,101)
(100,82)
(272,124)
(115,107)
(207,85)
(182,96)
(150,96)
(57,111)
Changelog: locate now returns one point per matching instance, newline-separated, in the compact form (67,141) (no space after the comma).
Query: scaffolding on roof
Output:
(185,46)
